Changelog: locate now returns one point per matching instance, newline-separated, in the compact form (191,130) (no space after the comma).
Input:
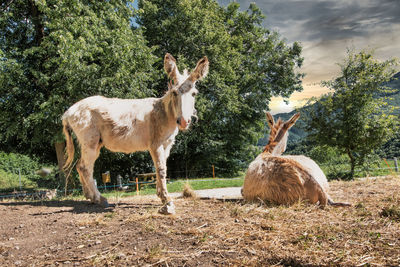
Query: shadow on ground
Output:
(78,206)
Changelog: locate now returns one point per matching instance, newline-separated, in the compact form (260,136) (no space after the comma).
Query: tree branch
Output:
(7,5)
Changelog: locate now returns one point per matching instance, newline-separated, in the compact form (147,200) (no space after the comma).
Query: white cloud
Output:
(326,28)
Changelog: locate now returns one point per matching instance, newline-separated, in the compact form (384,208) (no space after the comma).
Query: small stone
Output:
(98,242)
(121,256)
(80,246)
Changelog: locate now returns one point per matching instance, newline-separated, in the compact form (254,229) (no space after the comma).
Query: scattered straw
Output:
(188,191)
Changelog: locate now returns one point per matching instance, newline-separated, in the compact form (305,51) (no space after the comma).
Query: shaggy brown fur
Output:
(279,131)
(285,179)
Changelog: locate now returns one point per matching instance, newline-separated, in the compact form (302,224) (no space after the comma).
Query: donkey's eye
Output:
(194,94)
(175,93)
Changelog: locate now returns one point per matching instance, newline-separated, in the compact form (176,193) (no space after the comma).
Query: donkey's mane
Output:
(278,131)
(272,134)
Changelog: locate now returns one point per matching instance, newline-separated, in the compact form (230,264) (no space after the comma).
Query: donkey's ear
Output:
(170,67)
(293,120)
(285,127)
(201,70)
(270,120)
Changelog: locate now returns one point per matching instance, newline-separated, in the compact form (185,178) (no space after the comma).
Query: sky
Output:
(326,29)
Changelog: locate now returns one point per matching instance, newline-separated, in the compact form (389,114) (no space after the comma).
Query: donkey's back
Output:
(121,124)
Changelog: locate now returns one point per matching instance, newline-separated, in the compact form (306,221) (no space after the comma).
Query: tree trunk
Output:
(36,19)
(60,148)
(352,164)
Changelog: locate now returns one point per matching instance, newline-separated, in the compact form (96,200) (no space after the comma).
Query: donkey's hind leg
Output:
(315,193)
(85,166)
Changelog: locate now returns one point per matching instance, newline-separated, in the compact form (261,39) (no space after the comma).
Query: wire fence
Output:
(18,189)
(124,186)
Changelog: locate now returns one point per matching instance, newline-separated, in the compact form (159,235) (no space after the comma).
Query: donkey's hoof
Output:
(167,209)
(103,202)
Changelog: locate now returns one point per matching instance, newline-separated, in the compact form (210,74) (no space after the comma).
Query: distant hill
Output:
(395,96)
(297,134)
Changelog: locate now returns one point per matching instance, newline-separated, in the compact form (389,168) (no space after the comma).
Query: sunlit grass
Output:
(177,186)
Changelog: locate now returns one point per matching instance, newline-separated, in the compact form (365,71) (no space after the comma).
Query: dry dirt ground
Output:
(207,232)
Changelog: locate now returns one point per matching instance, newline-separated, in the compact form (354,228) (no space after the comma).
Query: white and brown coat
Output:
(129,125)
(279,179)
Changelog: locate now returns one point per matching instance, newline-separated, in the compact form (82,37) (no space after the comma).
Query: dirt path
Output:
(206,232)
(218,193)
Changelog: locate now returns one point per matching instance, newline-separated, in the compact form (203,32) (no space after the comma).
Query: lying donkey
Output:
(281,179)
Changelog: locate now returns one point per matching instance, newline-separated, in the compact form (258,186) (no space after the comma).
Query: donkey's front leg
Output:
(158,156)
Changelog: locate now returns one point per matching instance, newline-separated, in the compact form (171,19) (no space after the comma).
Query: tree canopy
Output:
(354,118)
(54,53)
(248,65)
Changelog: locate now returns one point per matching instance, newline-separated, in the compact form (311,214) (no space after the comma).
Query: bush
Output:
(336,165)
(10,181)
(337,172)
(12,165)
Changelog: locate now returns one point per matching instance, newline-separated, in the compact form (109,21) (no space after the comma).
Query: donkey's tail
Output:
(70,149)
(338,204)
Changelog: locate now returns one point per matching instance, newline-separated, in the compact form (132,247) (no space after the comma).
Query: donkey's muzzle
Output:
(182,123)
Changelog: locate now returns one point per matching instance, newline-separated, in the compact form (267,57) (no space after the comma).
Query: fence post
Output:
(396,167)
(137,186)
(213,171)
(388,166)
(20,183)
(119,181)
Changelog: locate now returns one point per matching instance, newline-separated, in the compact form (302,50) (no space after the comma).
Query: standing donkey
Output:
(129,125)
(285,179)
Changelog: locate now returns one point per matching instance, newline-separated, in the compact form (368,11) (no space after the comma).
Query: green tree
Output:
(55,52)
(248,65)
(354,117)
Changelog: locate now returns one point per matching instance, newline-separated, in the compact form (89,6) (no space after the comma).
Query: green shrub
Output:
(12,165)
(10,181)
(337,172)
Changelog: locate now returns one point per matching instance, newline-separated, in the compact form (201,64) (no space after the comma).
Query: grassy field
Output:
(10,182)
(341,171)
(380,169)
(177,186)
